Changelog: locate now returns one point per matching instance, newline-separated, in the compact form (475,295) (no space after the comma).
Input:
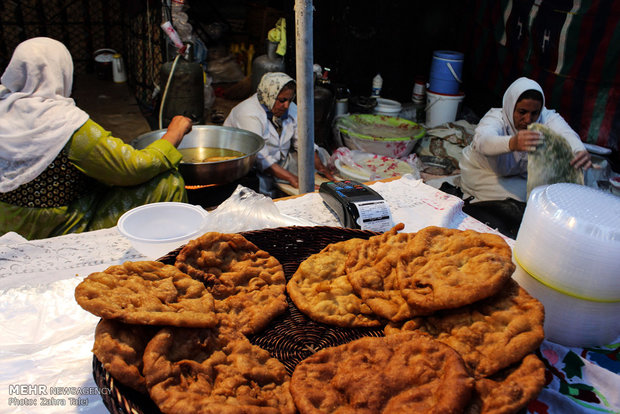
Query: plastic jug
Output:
(118,69)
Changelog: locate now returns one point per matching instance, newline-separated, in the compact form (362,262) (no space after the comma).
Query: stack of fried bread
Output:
(451,286)
(459,336)
(177,332)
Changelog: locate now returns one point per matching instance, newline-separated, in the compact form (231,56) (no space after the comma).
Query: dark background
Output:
(501,40)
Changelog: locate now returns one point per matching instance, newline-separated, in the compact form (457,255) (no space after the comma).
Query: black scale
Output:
(356,205)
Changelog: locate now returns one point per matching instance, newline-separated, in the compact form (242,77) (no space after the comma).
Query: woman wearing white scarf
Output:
(494,165)
(272,114)
(59,170)
(38,117)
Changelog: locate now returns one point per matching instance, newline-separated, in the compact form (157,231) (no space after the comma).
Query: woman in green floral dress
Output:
(60,172)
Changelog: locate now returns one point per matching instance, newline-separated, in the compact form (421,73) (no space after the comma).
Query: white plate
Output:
(595,149)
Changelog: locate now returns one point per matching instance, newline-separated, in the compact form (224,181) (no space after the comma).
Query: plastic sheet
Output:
(247,210)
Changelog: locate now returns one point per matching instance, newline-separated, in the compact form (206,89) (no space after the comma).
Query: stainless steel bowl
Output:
(212,136)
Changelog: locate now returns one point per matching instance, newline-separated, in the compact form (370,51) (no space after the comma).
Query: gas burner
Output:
(212,195)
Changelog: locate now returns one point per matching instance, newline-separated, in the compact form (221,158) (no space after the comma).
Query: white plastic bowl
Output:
(387,107)
(569,239)
(569,320)
(158,228)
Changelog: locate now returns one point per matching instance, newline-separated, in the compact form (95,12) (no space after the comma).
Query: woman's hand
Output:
(321,169)
(283,174)
(525,140)
(178,127)
(581,160)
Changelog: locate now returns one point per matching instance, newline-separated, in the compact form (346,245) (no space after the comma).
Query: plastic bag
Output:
(247,210)
(225,69)
(209,93)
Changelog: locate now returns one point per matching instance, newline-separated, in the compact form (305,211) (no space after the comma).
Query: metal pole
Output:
(304,60)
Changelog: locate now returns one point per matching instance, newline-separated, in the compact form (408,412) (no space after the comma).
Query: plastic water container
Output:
(446,72)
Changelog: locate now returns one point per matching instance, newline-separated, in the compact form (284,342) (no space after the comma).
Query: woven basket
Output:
(290,338)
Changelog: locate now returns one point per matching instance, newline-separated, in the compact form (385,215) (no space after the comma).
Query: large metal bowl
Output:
(212,136)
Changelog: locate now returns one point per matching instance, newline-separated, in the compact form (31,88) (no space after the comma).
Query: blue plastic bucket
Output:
(446,71)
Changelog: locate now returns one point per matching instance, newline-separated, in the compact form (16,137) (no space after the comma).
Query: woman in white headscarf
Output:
(272,114)
(494,165)
(60,172)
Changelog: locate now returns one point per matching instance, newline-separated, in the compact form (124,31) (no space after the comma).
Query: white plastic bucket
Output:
(441,108)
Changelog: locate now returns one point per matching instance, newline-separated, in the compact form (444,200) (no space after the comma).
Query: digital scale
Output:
(356,205)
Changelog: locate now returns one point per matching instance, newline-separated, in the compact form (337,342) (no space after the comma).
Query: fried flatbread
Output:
(147,293)
(444,268)
(320,288)
(404,373)
(214,371)
(489,335)
(247,283)
(549,163)
(119,347)
(510,390)
(371,270)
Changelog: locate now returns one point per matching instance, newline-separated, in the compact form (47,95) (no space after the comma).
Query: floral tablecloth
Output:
(46,341)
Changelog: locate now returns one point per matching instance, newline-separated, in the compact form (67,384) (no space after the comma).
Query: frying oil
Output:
(208,154)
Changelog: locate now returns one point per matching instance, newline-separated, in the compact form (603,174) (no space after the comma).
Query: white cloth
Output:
(489,170)
(37,117)
(47,337)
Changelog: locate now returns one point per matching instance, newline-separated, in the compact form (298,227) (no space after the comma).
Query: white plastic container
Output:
(118,69)
(442,108)
(158,228)
(569,320)
(569,239)
(387,107)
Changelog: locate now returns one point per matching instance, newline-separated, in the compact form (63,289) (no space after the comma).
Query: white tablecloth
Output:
(46,341)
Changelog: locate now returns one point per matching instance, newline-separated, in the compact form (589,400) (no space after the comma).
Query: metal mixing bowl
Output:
(212,136)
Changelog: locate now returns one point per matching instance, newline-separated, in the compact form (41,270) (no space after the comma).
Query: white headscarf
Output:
(512,94)
(270,86)
(37,117)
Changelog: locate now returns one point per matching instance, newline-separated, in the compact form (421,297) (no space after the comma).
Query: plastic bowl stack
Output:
(158,228)
(567,253)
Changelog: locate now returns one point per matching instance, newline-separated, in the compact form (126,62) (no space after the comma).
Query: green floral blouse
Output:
(121,177)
